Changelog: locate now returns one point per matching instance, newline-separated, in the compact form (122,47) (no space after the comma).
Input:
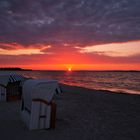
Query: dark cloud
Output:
(81,22)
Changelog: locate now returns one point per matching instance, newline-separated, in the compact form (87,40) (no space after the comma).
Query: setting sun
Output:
(69,69)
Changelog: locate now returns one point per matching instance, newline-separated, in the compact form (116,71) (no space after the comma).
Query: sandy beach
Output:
(82,114)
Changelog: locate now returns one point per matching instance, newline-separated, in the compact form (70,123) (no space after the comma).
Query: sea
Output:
(117,81)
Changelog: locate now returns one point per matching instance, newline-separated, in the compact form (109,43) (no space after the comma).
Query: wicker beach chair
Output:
(38,111)
(10,88)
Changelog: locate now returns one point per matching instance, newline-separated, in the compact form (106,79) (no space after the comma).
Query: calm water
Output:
(127,82)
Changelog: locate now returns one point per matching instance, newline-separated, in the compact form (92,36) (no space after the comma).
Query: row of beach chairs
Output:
(38,110)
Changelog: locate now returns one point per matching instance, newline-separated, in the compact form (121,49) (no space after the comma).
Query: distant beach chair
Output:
(10,88)
(38,111)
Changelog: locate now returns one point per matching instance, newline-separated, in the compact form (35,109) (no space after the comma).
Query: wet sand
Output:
(82,114)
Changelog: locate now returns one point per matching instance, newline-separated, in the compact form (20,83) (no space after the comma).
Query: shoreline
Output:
(105,90)
(70,80)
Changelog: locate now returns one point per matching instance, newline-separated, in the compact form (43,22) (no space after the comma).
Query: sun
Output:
(69,69)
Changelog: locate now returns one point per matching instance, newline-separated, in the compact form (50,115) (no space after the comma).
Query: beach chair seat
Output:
(13,91)
(38,110)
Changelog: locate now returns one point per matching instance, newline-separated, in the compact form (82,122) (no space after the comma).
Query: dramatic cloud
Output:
(121,49)
(69,21)
(18,49)
(69,31)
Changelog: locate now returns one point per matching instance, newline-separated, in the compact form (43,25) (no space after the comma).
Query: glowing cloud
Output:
(114,49)
(20,52)
(18,49)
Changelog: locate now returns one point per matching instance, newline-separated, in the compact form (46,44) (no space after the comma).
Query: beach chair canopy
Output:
(39,89)
(6,78)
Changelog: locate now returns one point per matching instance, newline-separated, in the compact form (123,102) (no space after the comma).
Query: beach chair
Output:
(10,92)
(10,87)
(3,83)
(2,93)
(38,111)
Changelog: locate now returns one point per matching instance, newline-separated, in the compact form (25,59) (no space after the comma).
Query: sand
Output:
(82,114)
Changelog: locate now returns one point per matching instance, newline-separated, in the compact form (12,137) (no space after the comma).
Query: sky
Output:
(77,34)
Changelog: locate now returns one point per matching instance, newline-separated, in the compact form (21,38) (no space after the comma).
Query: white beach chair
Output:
(37,110)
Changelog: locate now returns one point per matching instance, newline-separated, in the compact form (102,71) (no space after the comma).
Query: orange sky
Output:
(113,56)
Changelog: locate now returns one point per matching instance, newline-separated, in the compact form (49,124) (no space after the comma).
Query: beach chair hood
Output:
(39,89)
(6,78)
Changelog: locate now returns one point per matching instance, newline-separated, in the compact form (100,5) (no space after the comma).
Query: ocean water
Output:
(118,81)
